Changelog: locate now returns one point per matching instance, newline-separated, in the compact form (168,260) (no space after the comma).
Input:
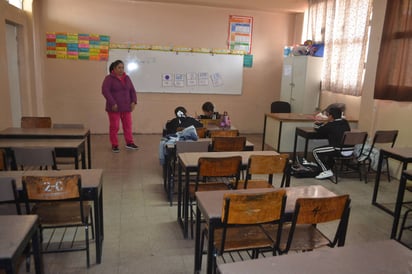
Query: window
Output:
(16,3)
(394,72)
(343,25)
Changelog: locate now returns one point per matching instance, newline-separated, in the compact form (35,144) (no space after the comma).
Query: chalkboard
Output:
(181,72)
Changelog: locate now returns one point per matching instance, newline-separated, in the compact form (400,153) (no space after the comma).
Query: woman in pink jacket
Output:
(121,100)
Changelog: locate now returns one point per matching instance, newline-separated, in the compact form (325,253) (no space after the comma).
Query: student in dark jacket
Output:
(332,130)
(181,120)
(209,111)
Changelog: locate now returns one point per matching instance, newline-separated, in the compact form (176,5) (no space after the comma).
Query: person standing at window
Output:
(121,100)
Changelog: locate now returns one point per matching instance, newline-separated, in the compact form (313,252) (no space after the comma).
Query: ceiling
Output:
(260,5)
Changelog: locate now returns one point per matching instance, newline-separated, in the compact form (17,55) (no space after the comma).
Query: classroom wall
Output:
(72,88)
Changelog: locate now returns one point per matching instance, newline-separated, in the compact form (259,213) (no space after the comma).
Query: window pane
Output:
(16,3)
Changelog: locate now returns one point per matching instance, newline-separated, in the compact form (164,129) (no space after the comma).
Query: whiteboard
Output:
(181,72)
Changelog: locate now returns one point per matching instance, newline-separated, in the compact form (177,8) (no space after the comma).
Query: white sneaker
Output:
(325,174)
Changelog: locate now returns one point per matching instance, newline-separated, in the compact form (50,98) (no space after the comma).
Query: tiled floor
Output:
(141,231)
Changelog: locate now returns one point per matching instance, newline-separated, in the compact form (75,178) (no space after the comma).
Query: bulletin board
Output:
(77,46)
(181,72)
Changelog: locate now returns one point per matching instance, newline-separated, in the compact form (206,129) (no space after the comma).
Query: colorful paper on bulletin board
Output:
(240,33)
(77,46)
(247,60)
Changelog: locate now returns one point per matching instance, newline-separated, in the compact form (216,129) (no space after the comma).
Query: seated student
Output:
(181,120)
(333,130)
(209,111)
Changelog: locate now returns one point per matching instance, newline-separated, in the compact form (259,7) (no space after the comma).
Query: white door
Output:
(13,71)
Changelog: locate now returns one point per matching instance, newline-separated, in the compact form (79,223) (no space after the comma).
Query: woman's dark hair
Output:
(182,111)
(208,107)
(114,64)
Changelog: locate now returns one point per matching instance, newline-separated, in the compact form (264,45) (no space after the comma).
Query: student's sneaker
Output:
(132,146)
(325,174)
(115,149)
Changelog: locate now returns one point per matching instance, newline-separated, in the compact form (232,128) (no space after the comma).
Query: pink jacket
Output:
(118,92)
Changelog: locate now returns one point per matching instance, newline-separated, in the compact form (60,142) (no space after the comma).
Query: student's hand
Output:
(132,106)
(115,107)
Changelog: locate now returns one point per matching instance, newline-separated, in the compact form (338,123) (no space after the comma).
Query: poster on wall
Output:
(77,46)
(240,33)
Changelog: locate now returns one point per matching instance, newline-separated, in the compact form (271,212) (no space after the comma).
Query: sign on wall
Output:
(77,46)
(240,33)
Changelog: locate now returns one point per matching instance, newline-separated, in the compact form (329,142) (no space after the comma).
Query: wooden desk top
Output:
(408,174)
(36,143)
(91,178)
(368,258)
(14,230)
(400,152)
(172,145)
(17,132)
(298,117)
(291,116)
(190,159)
(211,201)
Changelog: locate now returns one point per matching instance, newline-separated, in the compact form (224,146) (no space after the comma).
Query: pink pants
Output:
(114,119)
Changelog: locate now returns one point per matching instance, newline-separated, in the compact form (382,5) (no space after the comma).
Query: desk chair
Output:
(303,234)
(61,160)
(406,176)
(9,196)
(260,165)
(181,147)
(29,158)
(242,217)
(3,160)
(350,163)
(381,139)
(233,143)
(213,173)
(36,122)
(223,133)
(201,132)
(58,202)
(280,107)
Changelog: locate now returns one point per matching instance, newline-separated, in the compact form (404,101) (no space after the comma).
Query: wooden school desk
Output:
(51,133)
(367,258)
(187,162)
(170,156)
(209,207)
(404,155)
(63,147)
(307,133)
(92,190)
(279,129)
(17,231)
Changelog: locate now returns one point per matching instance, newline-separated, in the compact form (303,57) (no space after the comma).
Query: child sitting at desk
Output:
(209,111)
(333,130)
(181,121)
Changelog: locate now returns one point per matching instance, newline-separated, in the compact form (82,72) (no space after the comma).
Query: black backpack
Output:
(301,168)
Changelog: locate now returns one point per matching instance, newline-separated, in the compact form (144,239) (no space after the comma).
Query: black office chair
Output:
(280,107)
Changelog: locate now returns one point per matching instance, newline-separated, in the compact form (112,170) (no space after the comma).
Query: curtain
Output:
(394,73)
(344,26)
